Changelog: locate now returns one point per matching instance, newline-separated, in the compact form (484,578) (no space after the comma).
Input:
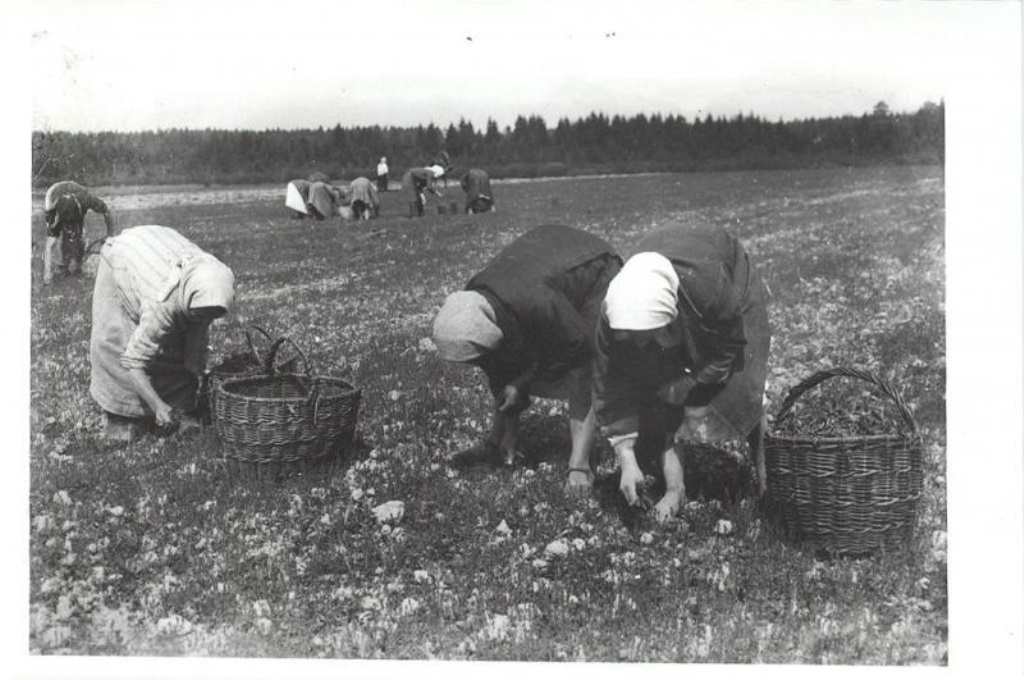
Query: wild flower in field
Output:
(723,527)
(409,606)
(44,523)
(173,625)
(557,548)
(343,593)
(626,559)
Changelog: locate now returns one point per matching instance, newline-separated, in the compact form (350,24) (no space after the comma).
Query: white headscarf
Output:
(465,327)
(643,295)
(208,282)
(437,170)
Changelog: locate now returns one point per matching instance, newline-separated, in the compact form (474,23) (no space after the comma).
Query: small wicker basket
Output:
(285,417)
(846,495)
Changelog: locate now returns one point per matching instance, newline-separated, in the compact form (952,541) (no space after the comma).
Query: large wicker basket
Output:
(285,417)
(846,495)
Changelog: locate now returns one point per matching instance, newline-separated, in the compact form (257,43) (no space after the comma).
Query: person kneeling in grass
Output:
(527,320)
(156,294)
(681,355)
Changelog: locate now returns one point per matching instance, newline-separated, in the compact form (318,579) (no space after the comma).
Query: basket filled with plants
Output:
(250,361)
(845,469)
(285,417)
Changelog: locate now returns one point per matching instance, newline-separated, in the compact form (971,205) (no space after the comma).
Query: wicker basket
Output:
(255,364)
(846,495)
(285,417)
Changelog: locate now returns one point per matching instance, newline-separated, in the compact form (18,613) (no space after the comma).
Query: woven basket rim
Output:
(835,439)
(223,387)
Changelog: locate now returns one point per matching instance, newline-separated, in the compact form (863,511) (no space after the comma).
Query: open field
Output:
(157,548)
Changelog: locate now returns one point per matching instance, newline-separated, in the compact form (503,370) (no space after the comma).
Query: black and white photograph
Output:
(593,338)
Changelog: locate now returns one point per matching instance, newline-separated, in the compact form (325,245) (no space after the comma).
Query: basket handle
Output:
(797,391)
(268,363)
(252,344)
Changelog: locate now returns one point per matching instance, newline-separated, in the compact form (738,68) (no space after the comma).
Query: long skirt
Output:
(737,409)
(573,387)
(322,201)
(111,385)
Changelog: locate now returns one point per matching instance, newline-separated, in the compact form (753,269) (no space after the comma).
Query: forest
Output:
(595,144)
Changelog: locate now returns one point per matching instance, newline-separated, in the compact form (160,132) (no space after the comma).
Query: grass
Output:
(160,548)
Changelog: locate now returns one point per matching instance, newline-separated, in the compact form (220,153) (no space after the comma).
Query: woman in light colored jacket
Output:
(155,295)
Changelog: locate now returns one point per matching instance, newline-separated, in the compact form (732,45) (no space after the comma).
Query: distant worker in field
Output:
(528,320)
(416,182)
(64,208)
(442,162)
(477,185)
(156,294)
(363,200)
(324,200)
(297,198)
(681,355)
(382,174)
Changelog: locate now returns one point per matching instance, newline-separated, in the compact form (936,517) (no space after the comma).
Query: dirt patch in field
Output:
(149,197)
(180,196)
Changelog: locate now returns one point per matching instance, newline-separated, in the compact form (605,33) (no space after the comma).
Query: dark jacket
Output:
(719,339)
(546,289)
(477,185)
(71,201)
(417,180)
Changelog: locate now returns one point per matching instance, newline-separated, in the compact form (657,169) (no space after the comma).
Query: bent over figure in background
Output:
(416,182)
(65,206)
(363,200)
(155,296)
(527,320)
(681,355)
(296,198)
(477,185)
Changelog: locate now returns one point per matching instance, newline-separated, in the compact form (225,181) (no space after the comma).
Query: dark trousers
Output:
(72,250)
(479,204)
(382,182)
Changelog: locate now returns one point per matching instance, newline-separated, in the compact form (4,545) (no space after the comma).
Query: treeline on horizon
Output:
(529,148)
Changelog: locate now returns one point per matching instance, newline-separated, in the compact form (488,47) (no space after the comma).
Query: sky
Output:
(109,65)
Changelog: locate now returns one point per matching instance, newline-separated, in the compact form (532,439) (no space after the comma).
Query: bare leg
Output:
(755,441)
(675,491)
(510,436)
(582,434)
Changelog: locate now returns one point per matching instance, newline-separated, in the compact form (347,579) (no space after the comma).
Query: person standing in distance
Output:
(382,174)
